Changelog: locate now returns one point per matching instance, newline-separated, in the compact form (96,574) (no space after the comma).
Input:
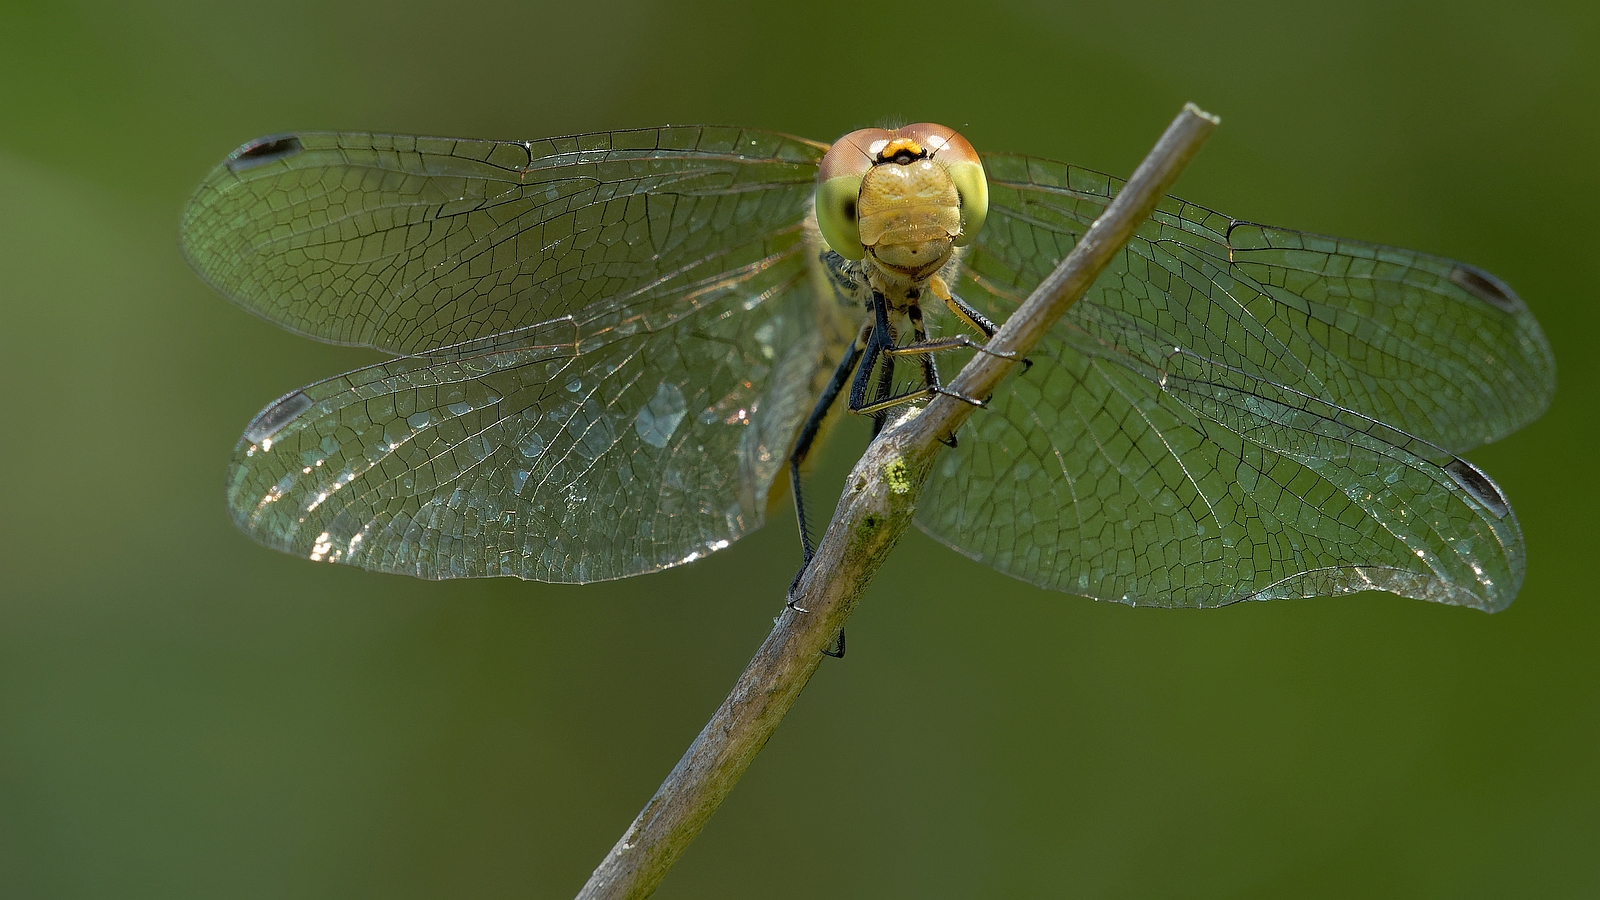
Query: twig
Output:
(874,511)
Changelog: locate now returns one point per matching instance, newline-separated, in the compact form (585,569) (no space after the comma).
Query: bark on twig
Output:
(874,511)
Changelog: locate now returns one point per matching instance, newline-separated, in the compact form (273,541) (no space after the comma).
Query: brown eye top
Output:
(852,155)
(940,143)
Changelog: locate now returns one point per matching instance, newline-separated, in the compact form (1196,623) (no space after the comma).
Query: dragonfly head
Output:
(907,197)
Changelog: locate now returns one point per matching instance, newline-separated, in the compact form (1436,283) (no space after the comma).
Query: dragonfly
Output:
(604,349)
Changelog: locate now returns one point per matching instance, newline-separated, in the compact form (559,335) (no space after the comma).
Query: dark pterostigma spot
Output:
(264,150)
(272,420)
(1486,287)
(1479,486)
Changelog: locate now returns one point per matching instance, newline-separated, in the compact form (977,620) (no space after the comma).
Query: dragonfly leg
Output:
(808,435)
(879,407)
(885,388)
(838,647)
(880,338)
(922,347)
(953,342)
(886,341)
(975,320)
(873,348)
(845,278)
(838,640)
(919,337)
(863,355)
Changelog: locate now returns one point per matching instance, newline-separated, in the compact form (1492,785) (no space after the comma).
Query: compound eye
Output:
(973,187)
(837,217)
(839,190)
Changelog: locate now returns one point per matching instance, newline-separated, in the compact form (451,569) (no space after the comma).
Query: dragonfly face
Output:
(904,198)
(605,346)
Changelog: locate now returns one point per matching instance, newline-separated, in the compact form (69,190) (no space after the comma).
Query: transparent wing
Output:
(1436,348)
(408,244)
(640,433)
(1236,412)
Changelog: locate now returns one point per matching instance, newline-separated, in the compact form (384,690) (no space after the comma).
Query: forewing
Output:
(636,436)
(1438,349)
(1223,421)
(407,244)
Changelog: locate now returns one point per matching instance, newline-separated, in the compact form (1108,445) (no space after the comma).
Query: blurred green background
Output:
(185,714)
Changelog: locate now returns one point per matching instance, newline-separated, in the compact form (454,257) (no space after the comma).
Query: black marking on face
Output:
(264,150)
(901,151)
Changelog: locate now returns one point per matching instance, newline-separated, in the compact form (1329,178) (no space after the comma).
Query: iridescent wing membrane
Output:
(1237,412)
(1232,413)
(612,343)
